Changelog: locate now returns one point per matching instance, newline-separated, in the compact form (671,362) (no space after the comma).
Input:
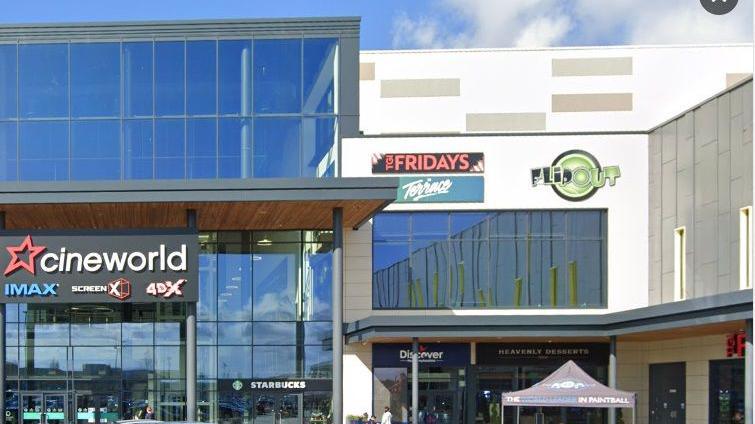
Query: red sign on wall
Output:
(735,345)
(427,163)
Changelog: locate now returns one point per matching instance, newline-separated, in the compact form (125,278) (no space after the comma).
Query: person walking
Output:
(149,413)
(387,416)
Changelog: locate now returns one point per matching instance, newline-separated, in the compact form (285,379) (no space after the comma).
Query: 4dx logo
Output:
(166,289)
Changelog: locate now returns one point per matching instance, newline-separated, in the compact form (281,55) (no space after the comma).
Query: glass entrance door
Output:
(278,408)
(42,408)
(96,409)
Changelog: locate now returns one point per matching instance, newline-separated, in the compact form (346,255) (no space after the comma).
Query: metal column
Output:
(748,372)
(2,342)
(191,342)
(612,376)
(415,380)
(337,292)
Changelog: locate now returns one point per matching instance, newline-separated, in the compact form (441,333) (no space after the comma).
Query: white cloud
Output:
(532,23)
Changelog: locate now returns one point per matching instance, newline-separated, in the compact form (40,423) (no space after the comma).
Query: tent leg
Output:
(517,415)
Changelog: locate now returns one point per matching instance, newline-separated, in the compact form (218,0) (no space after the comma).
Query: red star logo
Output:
(26,246)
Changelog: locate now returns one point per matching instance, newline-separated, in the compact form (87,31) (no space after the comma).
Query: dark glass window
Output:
(727,391)
(235,148)
(200,77)
(169,78)
(138,150)
(95,79)
(8,87)
(277,143)
(137,79)
(522,259)
(95,150)
(202,148)
(170,149)
(234,78)
(319,71)
(318,139)
(43,80)
(43,151)
(8,151)
(277,76)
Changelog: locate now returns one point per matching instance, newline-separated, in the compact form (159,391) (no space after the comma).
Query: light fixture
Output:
(265,241)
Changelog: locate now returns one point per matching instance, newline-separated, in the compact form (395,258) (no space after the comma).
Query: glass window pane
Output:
(138,333)
(8,152)
(390,275)
(235,333)
(43,80)
(272,333)
(11,362)
(168,332)
(170,151)
(207,367)
(319,69)
(316,285)
(207,333)
(234,81)
(276,147)
(168,363)
(169,78)
(138,149)
(43,361)
(207,307)
(43,150)
(99,362)
(390,227)
(277,76)
(44,334)
(318,362)
(275,276)
(8,87)
(318,141)
(275,362)
(317,333)
(430,225)
(138,362)
(202,148)
(137,79)
(95,334)
(234,362)
(95,79)
(95,150)
(200,77)
(234,287)
(11,333)
(235,148)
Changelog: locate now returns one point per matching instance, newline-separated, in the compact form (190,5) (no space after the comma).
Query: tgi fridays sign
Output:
(96,267)
(427,163)
(533,353)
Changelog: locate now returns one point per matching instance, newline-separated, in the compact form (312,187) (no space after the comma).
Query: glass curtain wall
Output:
(194,109)
(509,259)
(264,312)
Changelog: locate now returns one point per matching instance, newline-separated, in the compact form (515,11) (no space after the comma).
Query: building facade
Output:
(196,214)
(590,204)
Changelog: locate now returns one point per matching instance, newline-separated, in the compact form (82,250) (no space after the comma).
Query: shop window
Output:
(680,263)
(460,260)
(727,391)
(745,248)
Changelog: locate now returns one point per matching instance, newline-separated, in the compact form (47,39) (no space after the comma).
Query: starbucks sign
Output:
(575,175)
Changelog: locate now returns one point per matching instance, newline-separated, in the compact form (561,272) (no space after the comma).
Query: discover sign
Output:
(96,267)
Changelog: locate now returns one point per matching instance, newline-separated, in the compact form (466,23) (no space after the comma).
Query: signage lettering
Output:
(735,345)
(427,163)
(434,354)
(158,260)
(30,290)
(440,189)
(575,175)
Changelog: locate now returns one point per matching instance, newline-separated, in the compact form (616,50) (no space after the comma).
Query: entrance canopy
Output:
(570,386)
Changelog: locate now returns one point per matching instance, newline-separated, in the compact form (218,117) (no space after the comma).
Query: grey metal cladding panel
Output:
(684,125)
(667,244)
(348,74)
(724,123)
(684,193)
(724,245)
(685,153)
(189,28)
(724,182)
(747,105)
(708,275)
(706,173)
(654,140)
(668,189)
(668,134)
(706,241)
(737,100)
(738,161)
(706,117)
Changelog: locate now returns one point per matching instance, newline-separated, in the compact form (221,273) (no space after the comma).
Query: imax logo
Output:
(31,290)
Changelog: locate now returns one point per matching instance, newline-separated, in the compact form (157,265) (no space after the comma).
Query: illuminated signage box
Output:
(428,163)
(96,267)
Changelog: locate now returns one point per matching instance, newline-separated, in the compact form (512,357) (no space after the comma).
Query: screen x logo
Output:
(719,7)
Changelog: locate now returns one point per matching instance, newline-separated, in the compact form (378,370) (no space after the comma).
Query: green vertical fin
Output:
(554,286)
(518,291)
(573,300)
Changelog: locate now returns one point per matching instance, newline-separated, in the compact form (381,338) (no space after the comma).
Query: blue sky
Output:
(390,24)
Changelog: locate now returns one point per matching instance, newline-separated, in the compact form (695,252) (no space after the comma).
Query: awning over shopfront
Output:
(252,204)
(570,386)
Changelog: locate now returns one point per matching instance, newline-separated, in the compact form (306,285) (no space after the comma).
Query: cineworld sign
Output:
(96,267)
